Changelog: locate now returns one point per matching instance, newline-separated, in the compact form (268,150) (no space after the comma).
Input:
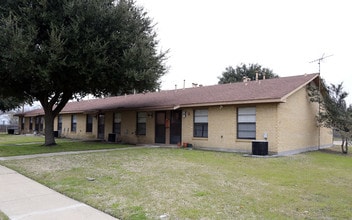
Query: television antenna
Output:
(323,57)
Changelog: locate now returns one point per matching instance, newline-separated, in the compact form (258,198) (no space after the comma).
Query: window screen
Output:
(246,123)
(200,123)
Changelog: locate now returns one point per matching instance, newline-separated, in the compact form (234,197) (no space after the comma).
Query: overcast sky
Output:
(206,36)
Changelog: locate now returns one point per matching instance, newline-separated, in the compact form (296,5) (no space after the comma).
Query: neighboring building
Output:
(224,117)
(8,122)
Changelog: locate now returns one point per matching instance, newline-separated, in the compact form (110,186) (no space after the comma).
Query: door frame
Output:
(173,127)
(160,129)
(101,127)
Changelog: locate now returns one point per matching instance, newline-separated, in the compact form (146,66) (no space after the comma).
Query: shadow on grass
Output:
(27,147)
(336,150)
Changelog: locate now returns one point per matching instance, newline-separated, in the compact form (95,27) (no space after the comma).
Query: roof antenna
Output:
(323,57)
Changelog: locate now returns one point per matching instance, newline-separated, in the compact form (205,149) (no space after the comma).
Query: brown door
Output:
(175,127)
(101,126)
(160,133)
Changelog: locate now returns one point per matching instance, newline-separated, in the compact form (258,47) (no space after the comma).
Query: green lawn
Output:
(14,145)
(191,184)
(3,216)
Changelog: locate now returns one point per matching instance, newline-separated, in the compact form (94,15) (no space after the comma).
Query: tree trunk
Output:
(49,128)
(344,146)
(59,100)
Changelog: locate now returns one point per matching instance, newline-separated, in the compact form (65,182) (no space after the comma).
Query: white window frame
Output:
(200,123)
(117,123)
(246,123)
(141,123)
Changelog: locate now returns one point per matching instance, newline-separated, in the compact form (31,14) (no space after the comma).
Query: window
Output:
(116,126)
(200,123)
(73,123)
(246,123)
(89,123)
(141,123)
(59,122)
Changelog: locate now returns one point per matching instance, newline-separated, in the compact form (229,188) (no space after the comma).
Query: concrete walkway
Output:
(23,198)
(73,152)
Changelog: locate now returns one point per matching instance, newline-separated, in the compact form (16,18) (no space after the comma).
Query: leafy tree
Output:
(53,51)
(231,75)
(9,103)
(334,112)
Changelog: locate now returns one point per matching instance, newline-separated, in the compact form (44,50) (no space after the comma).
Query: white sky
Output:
(206,36)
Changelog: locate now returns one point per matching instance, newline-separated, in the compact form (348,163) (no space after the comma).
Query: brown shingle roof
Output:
(262,91)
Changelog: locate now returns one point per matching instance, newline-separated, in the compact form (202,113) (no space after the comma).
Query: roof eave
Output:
(144,108)
(244,102)
(300,87)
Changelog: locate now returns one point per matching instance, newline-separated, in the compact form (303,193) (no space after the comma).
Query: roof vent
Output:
(246,79)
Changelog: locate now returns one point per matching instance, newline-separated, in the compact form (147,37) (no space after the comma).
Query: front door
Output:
(101,126)
(160,133)
(175,127)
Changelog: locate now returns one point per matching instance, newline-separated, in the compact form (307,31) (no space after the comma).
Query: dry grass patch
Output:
(184,184)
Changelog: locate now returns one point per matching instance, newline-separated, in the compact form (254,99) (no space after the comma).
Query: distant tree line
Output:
(250,71)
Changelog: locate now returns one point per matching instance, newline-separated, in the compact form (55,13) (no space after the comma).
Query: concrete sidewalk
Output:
(23,198)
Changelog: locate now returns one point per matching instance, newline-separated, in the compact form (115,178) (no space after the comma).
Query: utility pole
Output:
(323,57)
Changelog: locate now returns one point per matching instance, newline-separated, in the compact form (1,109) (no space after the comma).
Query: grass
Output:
(190,184)
(3,216)
(14,145)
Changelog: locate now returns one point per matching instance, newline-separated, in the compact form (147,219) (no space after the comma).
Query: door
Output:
(175,127)
(160,133)
(101,126)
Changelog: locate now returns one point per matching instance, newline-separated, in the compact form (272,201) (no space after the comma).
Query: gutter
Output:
(278,100)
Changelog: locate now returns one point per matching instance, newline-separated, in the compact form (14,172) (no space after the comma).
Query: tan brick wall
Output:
(266,123)
(149,137)
(26,129)
(222,128)
(297,124)
(66,125)
(289,126)
(326,137)
(55,123)
(187,126)
(109,119)
(81,127)
(94,133)
(128,129)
